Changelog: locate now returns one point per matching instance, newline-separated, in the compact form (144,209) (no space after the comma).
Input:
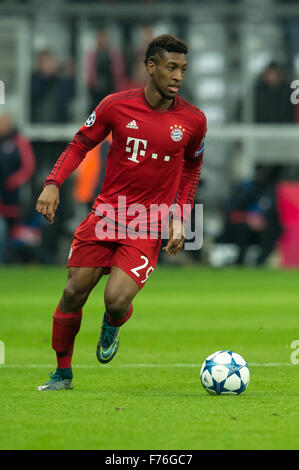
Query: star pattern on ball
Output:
(222,373)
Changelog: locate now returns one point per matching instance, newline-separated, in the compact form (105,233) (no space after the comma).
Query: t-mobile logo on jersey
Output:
(136,152)
(135,148)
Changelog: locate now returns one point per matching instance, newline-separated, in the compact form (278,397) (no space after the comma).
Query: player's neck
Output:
(155,99)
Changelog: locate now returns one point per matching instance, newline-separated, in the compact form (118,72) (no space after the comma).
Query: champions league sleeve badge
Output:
(90,121)
(198,152)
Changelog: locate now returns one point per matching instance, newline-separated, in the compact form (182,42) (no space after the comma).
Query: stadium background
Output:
(52,77)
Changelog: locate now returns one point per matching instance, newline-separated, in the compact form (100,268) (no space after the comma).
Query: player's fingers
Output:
(173,243)
(180,245)
(41,207)
(177,243)
(176,248)
(55,205)
(169,247)
(50,212)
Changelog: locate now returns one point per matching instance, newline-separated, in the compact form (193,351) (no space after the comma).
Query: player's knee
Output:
(117,304)
(74,296)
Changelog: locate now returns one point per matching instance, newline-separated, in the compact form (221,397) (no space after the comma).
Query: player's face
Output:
(168,74)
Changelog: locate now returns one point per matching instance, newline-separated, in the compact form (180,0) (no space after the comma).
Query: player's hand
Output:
(48,201)
(176,237)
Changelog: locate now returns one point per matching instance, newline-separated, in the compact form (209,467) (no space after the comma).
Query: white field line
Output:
(140,365)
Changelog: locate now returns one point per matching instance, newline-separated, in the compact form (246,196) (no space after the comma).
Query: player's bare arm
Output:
(48,201)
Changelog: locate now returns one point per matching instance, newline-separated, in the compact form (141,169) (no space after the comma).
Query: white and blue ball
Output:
(225,373)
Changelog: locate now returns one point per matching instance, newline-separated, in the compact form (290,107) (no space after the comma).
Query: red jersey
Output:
(155,153)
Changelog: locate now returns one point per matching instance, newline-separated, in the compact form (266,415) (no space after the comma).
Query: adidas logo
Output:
(132,125)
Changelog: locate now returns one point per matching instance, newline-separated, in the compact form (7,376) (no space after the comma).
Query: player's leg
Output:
(68,314)
(119,294)
(79,284)
(131,268)
(67,321)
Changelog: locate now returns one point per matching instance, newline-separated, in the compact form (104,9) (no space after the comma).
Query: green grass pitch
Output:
(150,396)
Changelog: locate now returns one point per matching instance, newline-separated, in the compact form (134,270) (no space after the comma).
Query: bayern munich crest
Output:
(177,133)
(90,121)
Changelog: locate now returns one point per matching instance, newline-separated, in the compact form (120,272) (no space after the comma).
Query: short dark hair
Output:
(162,43)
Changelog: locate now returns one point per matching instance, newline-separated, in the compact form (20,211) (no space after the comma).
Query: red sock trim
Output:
(122,320)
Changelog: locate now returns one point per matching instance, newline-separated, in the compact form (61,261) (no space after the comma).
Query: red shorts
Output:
(137,258)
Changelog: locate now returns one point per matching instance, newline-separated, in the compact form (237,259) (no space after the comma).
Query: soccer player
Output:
(155,156)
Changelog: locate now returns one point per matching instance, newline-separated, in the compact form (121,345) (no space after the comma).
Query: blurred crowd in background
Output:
(251,213)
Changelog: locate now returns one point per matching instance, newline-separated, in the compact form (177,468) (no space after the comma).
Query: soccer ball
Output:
(225,373)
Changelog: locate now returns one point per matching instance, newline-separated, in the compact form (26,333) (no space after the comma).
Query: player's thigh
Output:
(120,290)
(81,280)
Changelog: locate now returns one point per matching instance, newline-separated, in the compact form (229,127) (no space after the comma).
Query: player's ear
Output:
(151,67)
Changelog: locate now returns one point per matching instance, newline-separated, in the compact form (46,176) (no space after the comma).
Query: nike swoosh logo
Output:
(106,353)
